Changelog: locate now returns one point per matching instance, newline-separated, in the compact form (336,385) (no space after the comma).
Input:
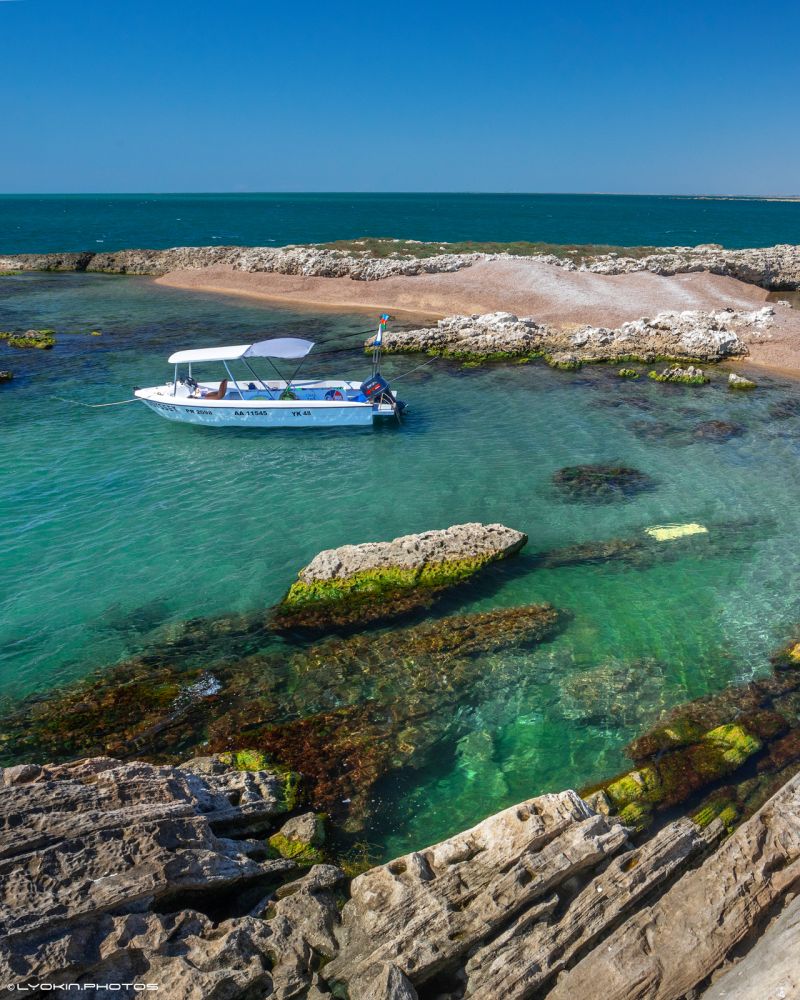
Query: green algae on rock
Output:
(300,839)
(376,581)
(740,382)
(628,373)
(747,733)
(37,339)
(673,778)
(255,760)
(564,362)
(681,376)
(657,544)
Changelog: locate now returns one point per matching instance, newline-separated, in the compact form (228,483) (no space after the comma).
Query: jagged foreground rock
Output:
(105,869)
(771,969)
(530,904)
(708,335)
(134,873)
(499,910)
(673,945)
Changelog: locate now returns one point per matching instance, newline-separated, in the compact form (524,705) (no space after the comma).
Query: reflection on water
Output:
(118,527)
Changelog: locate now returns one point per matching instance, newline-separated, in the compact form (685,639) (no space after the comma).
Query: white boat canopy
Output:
(288,348)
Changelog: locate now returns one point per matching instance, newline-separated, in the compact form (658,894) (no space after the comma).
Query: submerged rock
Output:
(601,483)
(717,430)
(6,376)
(616,693)
(701,747)
(349,710)
(396,696)
(785,409)
(374,581)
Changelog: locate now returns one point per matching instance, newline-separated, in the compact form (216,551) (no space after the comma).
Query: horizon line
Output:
(477,193)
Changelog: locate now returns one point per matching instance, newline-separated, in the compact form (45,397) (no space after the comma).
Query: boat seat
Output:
(220,393)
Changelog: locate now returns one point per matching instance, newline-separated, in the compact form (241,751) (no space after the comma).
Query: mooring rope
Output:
(396,378)
(95,406)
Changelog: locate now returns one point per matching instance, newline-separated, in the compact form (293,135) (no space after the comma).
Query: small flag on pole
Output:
(381,328)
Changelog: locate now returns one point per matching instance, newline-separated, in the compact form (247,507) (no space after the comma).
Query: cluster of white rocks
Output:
(709,335)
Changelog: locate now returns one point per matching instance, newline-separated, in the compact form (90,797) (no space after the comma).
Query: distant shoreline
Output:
(564,287)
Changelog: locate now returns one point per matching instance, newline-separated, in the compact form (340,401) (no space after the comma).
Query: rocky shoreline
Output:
(776,268)
(696,334)
(135,873)
(307,261)
(217,875)
(580,304)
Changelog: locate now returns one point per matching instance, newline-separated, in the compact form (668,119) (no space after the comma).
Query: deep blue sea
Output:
(39,223)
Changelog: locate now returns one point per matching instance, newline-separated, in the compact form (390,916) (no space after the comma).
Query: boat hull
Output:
(277,414)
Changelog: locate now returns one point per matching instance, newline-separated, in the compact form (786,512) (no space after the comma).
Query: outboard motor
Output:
(375,387)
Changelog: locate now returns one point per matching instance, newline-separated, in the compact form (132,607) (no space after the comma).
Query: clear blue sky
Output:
(252,95)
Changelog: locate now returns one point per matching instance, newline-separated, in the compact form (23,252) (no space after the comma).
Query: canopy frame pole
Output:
(258,378)
(241,394)
(277,372)
(295,372)
(175,382)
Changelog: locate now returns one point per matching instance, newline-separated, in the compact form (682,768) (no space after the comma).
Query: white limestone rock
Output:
(473,541)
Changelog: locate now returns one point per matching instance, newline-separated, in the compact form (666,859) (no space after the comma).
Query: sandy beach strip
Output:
(550,294)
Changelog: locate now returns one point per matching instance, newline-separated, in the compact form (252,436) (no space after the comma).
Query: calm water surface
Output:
(115,522)
(36,223)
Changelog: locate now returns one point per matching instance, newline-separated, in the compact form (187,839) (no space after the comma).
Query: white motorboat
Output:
(260,401)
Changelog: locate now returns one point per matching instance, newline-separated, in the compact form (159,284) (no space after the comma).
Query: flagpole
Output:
(377,344)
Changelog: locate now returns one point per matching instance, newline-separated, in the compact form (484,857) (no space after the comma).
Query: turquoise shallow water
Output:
(115,522)
(35,223)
